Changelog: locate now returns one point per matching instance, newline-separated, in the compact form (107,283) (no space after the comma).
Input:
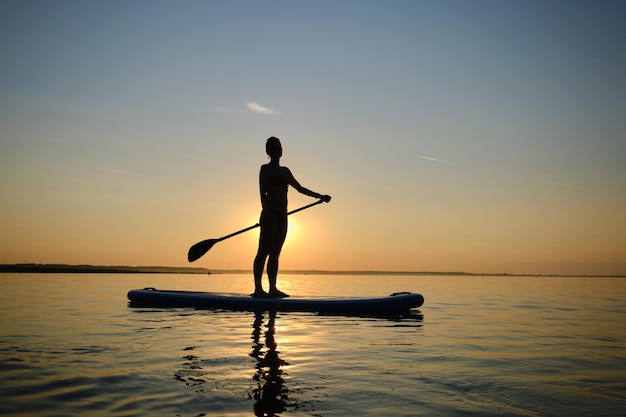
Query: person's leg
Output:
(259,263)
(272,271)
(266,238)
(272,263)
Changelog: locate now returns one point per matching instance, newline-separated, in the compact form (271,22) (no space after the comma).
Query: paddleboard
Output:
(394,303)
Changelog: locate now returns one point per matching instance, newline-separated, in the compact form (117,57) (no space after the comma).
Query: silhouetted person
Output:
(273,183)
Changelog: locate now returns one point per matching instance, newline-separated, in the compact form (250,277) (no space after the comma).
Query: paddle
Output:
(200,248)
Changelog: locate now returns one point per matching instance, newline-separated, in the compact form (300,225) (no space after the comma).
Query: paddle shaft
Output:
(200,248)
(259,224)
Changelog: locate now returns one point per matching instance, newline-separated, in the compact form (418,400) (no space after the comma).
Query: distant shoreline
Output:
(97,269)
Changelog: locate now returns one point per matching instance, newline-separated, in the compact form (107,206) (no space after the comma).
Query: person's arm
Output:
(263,185)
(295,184)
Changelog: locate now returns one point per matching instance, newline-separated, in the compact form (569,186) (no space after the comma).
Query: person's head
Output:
(273,148)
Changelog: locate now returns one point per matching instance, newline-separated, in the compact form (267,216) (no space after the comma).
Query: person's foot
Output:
(259,294)
(278,293)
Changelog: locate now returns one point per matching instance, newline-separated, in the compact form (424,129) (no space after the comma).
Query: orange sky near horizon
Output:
(450,137)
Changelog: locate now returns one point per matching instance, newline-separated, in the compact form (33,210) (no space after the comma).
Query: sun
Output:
(292,231)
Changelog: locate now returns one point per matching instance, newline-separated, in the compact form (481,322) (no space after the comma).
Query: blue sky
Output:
(453,135)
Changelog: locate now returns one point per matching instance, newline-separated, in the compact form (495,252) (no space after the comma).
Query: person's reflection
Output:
(270,395)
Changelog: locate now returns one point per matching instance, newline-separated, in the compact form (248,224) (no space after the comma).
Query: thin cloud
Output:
(428,158)
(258,108)
(252,106)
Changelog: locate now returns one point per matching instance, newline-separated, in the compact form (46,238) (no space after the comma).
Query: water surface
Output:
(480,346)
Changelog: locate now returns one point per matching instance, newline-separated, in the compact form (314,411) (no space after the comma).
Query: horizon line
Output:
(87,268)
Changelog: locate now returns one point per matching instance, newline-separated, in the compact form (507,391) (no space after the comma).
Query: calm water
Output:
(70,345)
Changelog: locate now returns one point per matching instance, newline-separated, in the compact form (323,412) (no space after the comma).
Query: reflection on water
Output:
(224,369)
(193,373)
(270,395)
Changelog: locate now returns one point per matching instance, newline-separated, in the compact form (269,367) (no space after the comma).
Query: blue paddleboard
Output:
(394,303)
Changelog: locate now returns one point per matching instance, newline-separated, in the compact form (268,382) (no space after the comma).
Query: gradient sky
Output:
(480,136)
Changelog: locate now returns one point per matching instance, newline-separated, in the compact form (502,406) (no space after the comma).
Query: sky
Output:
(479,136)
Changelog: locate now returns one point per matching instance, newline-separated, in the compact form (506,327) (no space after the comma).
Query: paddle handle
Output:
(305,207)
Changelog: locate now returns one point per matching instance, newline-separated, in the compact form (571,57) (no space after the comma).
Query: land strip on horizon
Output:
(94,269)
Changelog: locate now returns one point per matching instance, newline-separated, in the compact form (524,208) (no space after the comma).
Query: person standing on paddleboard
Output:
(274,181)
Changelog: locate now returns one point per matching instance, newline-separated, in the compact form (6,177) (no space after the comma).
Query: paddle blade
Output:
(200,248)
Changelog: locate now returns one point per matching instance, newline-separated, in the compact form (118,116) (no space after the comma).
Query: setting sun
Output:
(292,233)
